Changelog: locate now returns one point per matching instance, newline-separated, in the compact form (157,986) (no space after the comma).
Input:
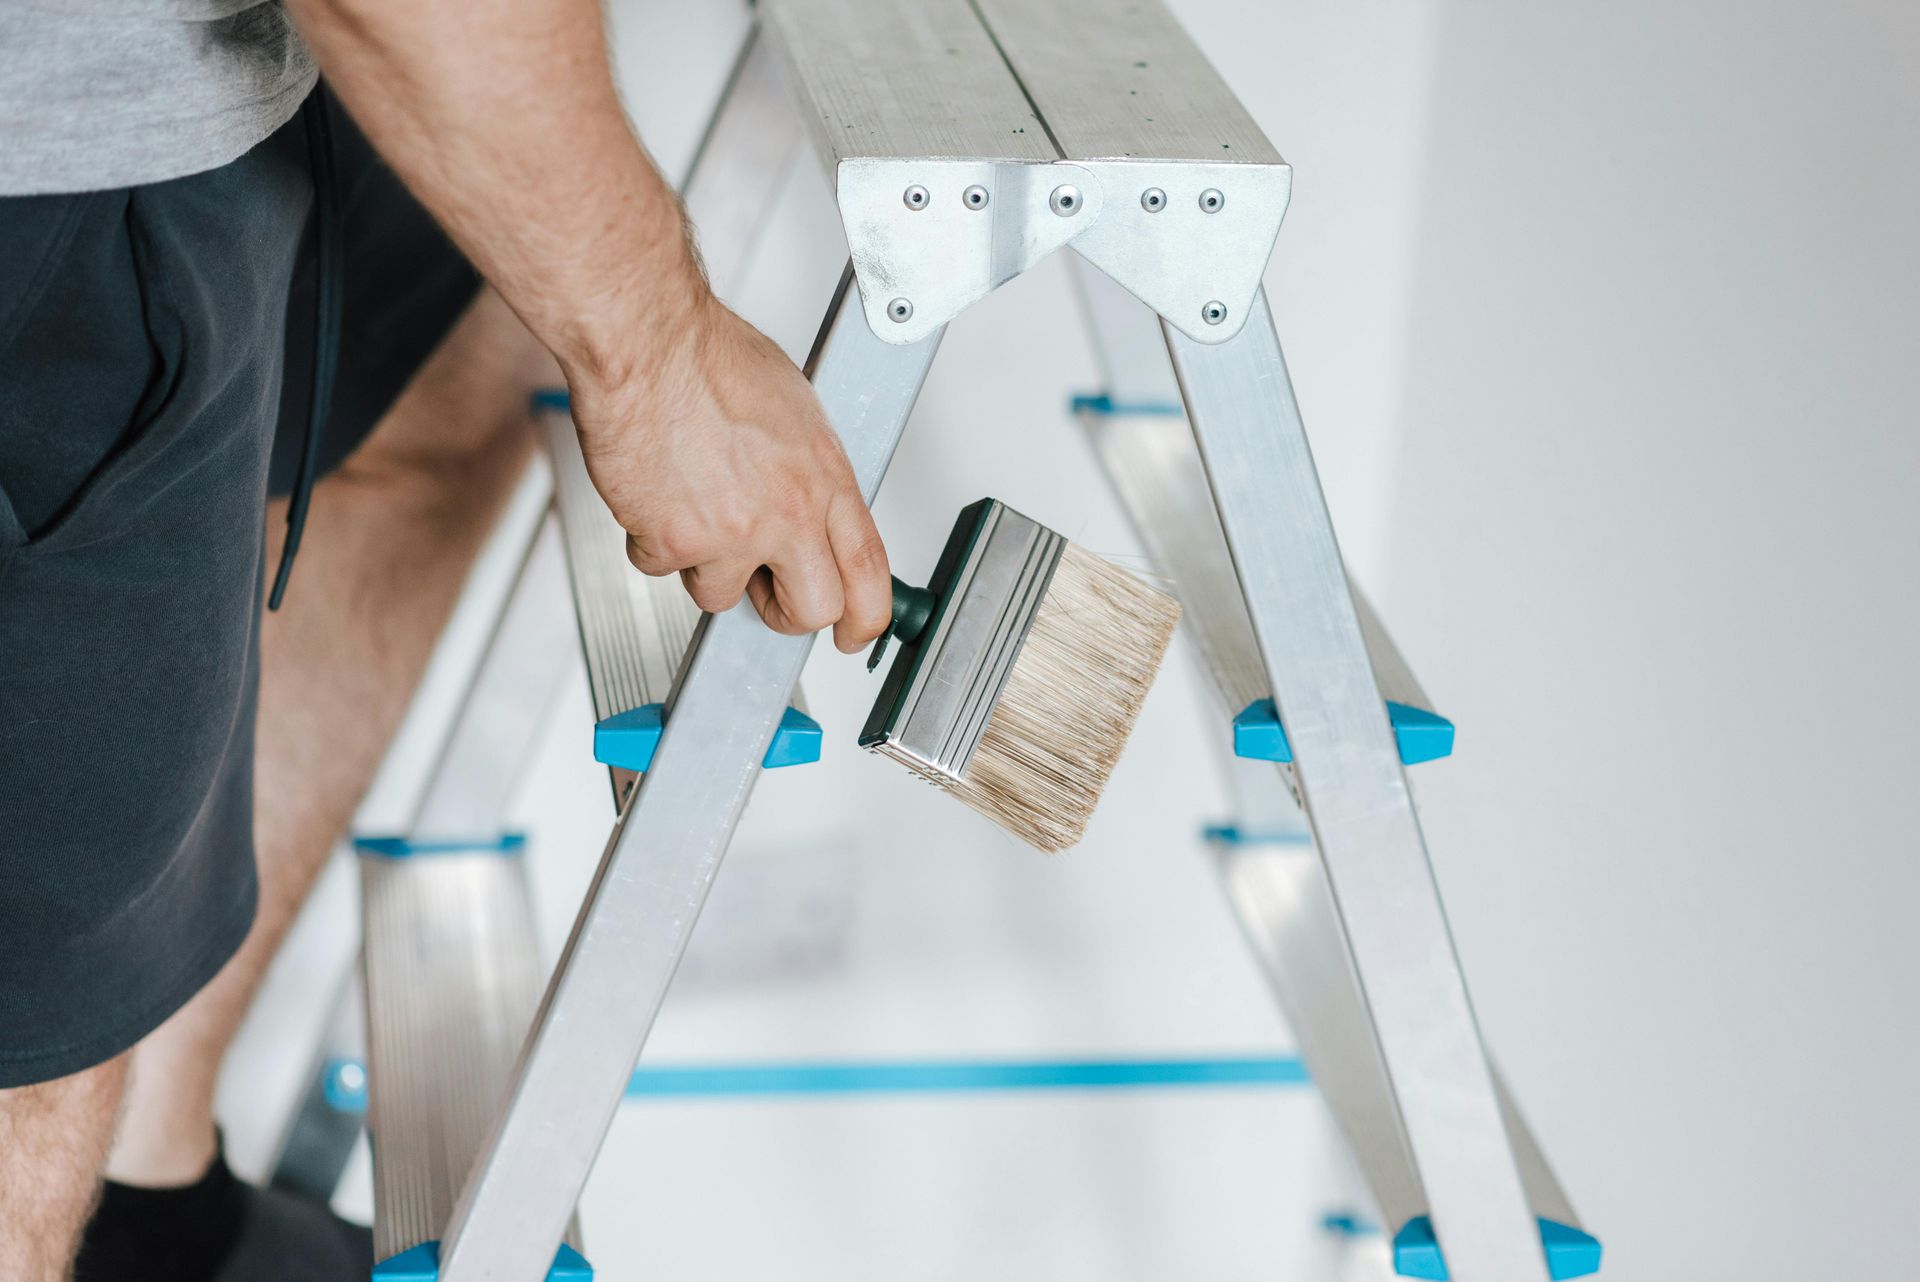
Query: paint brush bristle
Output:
(1069,702)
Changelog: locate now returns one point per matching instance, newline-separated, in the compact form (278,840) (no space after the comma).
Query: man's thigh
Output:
(156,353)
(140,350)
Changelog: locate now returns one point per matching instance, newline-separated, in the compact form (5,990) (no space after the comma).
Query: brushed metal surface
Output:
(903,79)
(1120,80)
(452,979)
(633,629)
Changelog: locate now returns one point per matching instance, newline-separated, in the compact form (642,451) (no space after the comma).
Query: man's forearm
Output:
(502,117)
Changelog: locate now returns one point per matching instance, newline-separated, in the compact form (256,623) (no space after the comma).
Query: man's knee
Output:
(465,412)
(62,1117)
(54,1138)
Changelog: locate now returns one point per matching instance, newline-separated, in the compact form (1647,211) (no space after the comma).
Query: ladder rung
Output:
(453,976)
(1148,451)
(626,740)
(1570,1252)
(1422,735)
(634,629)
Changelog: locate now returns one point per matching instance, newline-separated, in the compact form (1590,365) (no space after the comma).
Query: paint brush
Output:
(1022,666)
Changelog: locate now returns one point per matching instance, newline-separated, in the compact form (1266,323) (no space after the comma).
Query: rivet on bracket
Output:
(915,197)
(1212,201)
(900,311)
(1065,200)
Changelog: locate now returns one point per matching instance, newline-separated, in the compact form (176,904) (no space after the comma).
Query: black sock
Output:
(163,1235)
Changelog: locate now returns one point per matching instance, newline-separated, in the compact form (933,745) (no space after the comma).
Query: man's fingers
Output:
(648,559)
(799,593)
(865,584)
(717,586)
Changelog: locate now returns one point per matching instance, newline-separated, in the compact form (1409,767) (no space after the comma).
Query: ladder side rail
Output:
(660,862)
(318,1139)
(1281,902)
(1354,790)
(491,740)
(1149,456)
(741,162)
(1544,1191)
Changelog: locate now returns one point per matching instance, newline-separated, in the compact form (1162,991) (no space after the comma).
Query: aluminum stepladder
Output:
(967,141)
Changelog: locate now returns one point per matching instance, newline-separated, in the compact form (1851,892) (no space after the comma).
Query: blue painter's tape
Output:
(1570,1252)
(1235,835)
(1348,1224)
(1101,403)
(1422,735)
(506,843)
(955,1077)
(422,1264)
(627,739)
(551,398)
(344,1083)
(938,1077)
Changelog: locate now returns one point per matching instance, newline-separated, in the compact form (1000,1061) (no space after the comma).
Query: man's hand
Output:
(704,439)
(717,460)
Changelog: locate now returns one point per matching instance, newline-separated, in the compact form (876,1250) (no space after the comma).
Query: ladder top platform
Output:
(969,139)
(1011,80)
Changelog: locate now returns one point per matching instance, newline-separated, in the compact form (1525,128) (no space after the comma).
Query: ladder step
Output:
(453,976)
(634,629)
(422,1264)
(1149,454)
(627,739)
(1571,1252)
(1422,735)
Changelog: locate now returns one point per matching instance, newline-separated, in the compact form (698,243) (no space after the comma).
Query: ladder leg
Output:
(659,865)
(750,144)
(1249,431)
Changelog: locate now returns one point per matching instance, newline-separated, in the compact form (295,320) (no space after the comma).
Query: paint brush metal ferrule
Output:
(944,683)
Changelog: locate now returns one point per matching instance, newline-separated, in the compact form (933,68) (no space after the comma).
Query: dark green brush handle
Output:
(912,607)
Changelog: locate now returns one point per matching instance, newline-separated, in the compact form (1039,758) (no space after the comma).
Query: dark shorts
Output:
(155,348)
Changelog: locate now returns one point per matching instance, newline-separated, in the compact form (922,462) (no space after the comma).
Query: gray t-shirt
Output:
(110,93)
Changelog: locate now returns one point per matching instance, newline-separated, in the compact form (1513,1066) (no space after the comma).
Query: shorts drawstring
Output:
(326,323)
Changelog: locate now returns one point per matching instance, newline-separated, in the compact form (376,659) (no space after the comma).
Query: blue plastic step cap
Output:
(627,739)
(422,1264)
(1570,1252)
(1422,735)
(506,843)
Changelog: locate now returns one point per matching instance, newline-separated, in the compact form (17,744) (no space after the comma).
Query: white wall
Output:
(1656,538)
